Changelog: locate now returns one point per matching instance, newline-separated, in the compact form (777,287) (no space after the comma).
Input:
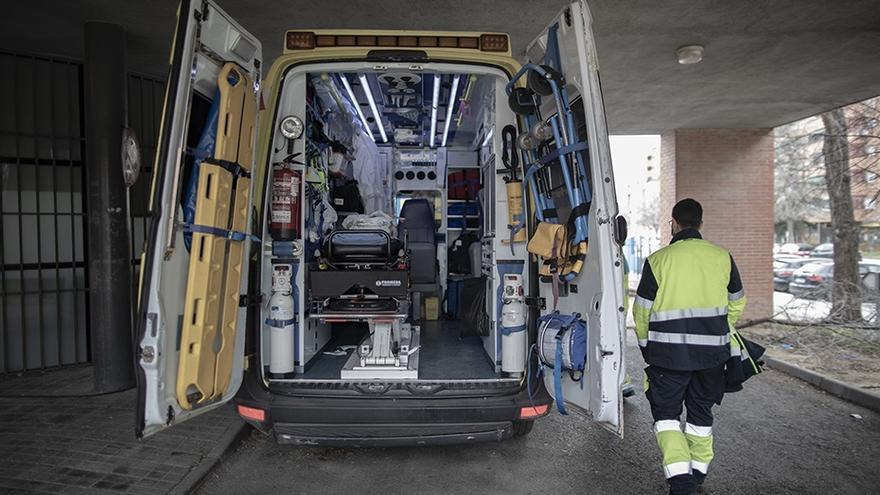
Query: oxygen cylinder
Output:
(515,209)
(281,320)
(513,325)
(285,209)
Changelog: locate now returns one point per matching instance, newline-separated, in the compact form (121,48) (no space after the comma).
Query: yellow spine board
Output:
(195,383)
(238,142)
(214,278)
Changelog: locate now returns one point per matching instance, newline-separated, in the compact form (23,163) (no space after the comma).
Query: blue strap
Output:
(564,150)
(280,323)
(232,235)
(512,330)
(557,377)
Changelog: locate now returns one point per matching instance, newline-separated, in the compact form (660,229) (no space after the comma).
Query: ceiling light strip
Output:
(449,108)
(357,106)
(369,92)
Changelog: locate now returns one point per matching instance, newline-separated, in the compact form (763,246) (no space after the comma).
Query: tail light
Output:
(815,278)
(252,413)
(785,273)
(530,412)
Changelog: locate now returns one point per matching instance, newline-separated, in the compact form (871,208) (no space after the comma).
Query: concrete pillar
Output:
(729,171)
(108,250)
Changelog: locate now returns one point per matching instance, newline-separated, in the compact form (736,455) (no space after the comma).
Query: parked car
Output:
(813,280)
(781,261)
(784,268)
(797,249)
(823,251)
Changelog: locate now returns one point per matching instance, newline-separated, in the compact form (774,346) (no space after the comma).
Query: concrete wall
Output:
(729,171)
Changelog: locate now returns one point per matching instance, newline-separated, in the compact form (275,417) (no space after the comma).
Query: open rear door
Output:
(596,292)
(190,326)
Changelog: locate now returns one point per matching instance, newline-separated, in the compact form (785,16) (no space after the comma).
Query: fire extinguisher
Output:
(285,210)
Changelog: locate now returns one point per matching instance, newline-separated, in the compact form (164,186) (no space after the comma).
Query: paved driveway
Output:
(779,436)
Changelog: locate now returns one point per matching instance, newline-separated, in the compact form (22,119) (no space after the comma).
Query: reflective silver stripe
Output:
(687,338)
(699,431)
(702,467)
(733,296)
(641,301)
(735,351)
(677,468)
(643,342)
(667,425)
(677,314)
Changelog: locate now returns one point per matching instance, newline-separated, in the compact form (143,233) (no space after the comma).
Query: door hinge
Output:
(245,300)
(536,302)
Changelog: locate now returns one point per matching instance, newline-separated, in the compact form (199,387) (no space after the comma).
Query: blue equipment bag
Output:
(562,341)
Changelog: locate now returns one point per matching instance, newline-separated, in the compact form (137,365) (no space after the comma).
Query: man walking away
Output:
(689,297)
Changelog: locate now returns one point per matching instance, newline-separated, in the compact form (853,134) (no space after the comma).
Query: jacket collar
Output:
(689,233)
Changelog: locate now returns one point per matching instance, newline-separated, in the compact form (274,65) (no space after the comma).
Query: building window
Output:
(869,202)
(870,176)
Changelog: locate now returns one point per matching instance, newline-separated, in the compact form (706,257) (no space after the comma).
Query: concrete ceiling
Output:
(766,62)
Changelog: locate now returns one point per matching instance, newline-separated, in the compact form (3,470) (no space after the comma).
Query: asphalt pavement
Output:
(778,436)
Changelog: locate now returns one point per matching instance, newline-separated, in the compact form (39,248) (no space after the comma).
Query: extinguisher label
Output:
(280,216)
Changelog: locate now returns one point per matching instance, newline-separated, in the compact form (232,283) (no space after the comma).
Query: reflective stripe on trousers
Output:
(699,440)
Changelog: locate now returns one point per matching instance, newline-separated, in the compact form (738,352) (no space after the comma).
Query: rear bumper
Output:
(391,435)
(368,420)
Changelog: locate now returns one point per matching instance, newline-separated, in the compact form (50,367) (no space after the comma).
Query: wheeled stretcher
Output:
(367,280)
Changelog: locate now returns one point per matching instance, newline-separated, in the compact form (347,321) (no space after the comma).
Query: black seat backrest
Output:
(417,221)
(417,227)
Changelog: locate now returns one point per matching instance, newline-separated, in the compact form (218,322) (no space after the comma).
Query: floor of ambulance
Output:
(443,353)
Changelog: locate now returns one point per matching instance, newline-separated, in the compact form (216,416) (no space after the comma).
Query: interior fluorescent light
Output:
(449,108)
(488,137)
(369,92)
(434,102)
(357,105)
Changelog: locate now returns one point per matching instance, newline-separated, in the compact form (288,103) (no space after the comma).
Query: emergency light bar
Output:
(309,40)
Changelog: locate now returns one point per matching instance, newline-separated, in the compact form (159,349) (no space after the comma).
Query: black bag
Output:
(346,198)
(473,307)
(458,258)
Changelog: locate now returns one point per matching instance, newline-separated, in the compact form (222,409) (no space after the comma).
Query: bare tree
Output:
(846,303)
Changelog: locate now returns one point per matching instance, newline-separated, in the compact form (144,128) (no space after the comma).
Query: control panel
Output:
(420,169)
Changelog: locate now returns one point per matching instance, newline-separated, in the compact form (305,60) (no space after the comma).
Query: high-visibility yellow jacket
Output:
(689,297)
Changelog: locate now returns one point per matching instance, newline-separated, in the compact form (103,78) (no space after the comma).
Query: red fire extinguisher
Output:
(285,209)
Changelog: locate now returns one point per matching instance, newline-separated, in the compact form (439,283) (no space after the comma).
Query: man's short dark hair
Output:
(688,213)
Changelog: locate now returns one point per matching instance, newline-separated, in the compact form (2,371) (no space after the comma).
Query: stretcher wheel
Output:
(540,85)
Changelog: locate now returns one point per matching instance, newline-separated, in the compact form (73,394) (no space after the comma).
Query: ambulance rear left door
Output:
(190,325)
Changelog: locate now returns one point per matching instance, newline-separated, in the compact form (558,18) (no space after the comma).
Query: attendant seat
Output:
(418,229)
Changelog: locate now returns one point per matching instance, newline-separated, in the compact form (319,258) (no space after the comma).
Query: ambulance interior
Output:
(387,267)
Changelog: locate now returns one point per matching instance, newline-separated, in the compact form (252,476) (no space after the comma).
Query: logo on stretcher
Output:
(388,283)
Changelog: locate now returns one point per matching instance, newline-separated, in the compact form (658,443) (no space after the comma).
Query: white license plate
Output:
(800,280)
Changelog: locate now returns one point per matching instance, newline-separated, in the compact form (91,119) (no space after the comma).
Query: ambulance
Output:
(383,237)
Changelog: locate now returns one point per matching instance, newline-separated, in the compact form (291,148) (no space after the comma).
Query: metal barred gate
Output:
(43,212)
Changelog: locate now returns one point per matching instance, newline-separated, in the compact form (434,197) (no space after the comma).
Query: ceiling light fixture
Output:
(357,106)
(689,54)
(369,92)
(435,100)
(449,108)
